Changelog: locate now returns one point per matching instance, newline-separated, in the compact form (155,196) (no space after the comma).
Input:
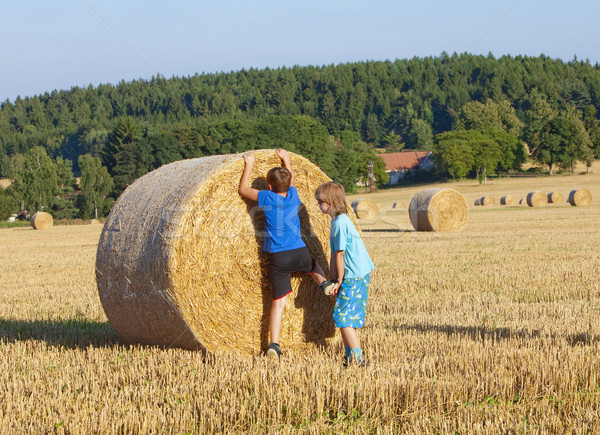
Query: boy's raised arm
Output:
(245,190)
(287,163)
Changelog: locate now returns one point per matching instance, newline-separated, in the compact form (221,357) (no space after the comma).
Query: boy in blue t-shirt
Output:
(287,251)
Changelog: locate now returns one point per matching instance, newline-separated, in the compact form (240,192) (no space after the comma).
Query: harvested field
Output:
(491,330)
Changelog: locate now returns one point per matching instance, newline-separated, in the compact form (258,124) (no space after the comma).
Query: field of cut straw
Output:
(493,329)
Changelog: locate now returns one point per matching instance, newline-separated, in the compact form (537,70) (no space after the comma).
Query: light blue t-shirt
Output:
(345,237)
(282,224)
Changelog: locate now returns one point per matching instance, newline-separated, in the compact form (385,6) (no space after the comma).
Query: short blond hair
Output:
(333,193)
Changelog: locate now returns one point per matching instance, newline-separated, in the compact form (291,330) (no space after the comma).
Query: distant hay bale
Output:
(537,199)
(487,200)
(94,222)
(523,201)
(437,209)
(507,200)
(365,208)
(399,205)
(180,260)
(478,202)
(42,221)
(555,198)
(580,197)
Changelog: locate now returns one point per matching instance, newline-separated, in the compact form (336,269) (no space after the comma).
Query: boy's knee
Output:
(279,303)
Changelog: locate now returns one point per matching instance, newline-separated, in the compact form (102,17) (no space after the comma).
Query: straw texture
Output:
(42,221)
(537,199)
(180,260)
(437,209)
(365,208)
(555,198)
(507,200)
(580,197)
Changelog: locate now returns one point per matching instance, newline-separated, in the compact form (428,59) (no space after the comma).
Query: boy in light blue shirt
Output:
(350,269)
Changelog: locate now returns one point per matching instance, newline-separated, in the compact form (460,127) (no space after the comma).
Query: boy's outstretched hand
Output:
(283,154)
(249,159)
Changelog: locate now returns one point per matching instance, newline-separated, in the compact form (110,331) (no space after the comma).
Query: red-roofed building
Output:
(397,165)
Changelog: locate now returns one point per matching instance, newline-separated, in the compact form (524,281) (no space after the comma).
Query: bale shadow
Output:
(584,338)
(317,308)
(481,333)
(73,333)
(476,333)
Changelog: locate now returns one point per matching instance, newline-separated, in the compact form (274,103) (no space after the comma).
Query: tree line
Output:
(475,112)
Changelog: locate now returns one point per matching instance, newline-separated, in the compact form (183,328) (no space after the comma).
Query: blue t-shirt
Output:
(282,224)
(345,237)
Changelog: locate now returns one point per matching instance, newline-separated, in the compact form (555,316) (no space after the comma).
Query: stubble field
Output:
(494,329)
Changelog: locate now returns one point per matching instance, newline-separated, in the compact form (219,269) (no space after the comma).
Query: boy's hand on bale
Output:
(283,154)
(249,159)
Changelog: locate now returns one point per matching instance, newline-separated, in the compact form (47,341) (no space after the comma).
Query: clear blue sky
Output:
(59,44)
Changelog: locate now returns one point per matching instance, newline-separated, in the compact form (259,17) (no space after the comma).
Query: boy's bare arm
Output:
(245,190)
(337,270)
(287,163)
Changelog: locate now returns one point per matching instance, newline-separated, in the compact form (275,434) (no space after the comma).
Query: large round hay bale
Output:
(42,221)
(555,198)
(537,199)
(478,202)
(487,200)
(180,259)
(580,197)
(436,209)
(507,200)
(365,208)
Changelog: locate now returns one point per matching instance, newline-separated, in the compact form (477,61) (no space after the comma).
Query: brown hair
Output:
(332,193)
(279,179)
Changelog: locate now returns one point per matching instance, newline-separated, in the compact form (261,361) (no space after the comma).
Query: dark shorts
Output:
(283,264)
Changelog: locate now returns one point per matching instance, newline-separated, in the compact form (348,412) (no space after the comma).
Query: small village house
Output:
(406,163)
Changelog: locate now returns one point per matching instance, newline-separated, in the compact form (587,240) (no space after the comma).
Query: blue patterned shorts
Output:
(351,303)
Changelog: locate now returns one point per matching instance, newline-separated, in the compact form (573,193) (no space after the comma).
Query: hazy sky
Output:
(59,44)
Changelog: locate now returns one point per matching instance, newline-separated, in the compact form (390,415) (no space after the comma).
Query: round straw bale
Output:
(437,209)
(488,200)
(523,201)
(507,200)
(365,208)
(399,205)
(94,222)
(537,199)
(42,221)
(180,260)
(478,202)
(555,198)
(580,197)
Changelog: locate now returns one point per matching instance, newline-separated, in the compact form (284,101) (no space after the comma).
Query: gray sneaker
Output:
(274,351)
(327,287)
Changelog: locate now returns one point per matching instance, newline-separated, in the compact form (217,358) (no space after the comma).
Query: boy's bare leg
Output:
(318,275)
(275,317)
(350,337)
